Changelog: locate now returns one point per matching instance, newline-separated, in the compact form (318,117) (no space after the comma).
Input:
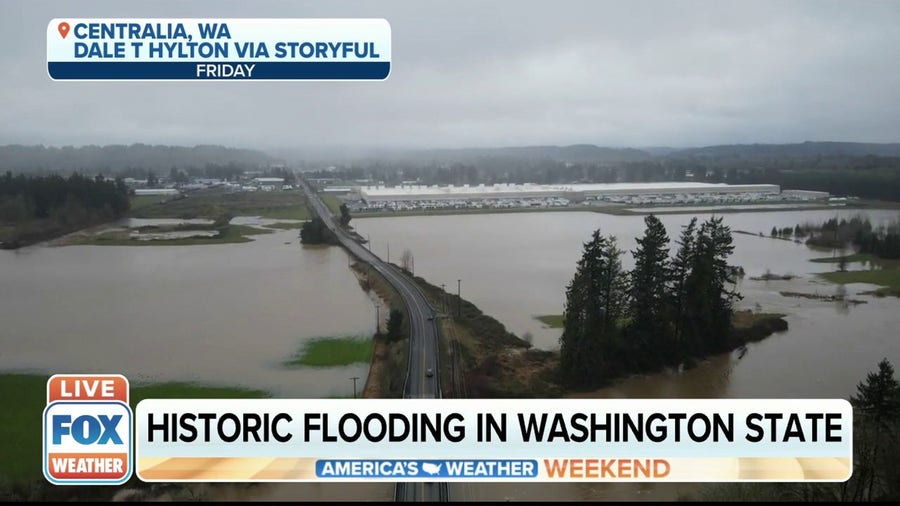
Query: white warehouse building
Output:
(573,192)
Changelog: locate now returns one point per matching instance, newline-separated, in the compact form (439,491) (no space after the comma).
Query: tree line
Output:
(858,231)
(29,197)
(666,310)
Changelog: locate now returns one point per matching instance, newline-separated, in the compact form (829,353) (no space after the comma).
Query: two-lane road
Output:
(423,337)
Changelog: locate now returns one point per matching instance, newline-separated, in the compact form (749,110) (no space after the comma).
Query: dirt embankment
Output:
(481,358)
(387,371)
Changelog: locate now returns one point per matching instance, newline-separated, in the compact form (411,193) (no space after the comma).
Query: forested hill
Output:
(117,158)
(801,150)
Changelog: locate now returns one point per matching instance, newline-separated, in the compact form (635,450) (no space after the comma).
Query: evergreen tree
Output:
(680,270)
(316,232)
(710,300)
(877,409)
(878,398)
(345,215)
(649,334)
(595,299)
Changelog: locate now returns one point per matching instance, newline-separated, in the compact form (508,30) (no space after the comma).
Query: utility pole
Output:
(354,385)
(377,319)
(443,298)
(459,298)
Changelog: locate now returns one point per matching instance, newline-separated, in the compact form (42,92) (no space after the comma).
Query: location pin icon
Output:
(64,29)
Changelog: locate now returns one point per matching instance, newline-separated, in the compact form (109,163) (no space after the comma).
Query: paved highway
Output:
(423,338)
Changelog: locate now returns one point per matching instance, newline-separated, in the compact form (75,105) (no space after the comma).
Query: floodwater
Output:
(516,266)
(225,314)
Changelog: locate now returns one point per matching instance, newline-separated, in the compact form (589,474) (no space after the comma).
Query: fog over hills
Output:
(116,158)
(805,149)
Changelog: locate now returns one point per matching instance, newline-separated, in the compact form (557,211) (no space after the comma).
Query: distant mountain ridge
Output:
(161,158)
(571,153)
(804,149)
(116,157)
(594,153)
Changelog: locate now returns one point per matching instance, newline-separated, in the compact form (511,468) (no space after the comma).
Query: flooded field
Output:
(226,314)
(516,266)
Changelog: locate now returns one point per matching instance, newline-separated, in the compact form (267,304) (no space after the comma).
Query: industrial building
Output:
(165,192)
(573,192)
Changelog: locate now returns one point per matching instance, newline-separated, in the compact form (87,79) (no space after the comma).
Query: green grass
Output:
(227,235)
(25,397)
(285,213)
(333,351)
(867,258)
(7,232)
(554,321)
(286,225)
(139,202)
(333,203)
(888,279)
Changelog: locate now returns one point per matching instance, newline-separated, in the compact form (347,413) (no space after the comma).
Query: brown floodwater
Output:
(230,314)
(226,314)
(516,266)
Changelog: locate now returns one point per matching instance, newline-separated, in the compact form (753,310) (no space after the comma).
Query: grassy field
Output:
(139,202)
(888,279)
(866,258)
(283,205)
(6,232)
(333,203)
(228,234)
(554,321)
(332,351)
(25,396)
(286,225)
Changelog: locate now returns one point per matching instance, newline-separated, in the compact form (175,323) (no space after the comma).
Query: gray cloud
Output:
(471,73)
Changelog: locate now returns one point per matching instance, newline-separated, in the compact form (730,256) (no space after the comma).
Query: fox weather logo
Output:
(87,430)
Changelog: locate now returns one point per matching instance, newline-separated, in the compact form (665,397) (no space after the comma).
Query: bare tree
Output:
(407,261)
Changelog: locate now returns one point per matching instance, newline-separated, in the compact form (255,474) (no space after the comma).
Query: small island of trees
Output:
(666,311)
(315,231)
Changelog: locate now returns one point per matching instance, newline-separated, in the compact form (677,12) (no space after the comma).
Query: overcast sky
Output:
(468,73)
